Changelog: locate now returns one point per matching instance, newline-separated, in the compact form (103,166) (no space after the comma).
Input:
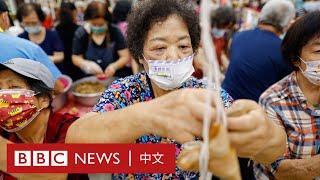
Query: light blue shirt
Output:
(14,47)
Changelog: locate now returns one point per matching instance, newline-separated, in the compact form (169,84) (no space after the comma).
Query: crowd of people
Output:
(153,48)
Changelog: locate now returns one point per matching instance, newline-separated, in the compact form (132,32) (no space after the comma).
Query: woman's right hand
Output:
(90,67)
(177,115)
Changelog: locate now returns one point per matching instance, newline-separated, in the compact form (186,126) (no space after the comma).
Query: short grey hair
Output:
(278,13)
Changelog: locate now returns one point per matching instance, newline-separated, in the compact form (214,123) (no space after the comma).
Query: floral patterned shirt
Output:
(137,88)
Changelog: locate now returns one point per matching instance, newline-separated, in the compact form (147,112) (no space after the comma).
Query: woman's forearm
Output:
(57,57)
(124,58)
(299,168)
(120,126)
(274,148)
(77,60)
(121,62)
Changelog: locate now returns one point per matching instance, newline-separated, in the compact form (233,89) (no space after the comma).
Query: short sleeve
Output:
(118,38)
(112,99)
(57,43)
(273,116)
(58,126)
(80,41)
(23,35)
(226,98)
(271,113)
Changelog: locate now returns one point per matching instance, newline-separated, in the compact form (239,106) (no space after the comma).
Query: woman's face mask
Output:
(312,71)
(218,33)
(169,75)
(33,29)
(99,29)
(17,109)
(168,53)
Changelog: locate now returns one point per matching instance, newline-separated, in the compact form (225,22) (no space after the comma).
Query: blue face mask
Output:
(33,29)
(99,29)
(218,33)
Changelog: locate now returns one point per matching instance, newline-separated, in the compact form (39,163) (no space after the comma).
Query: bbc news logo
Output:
(91,158)
(41,158)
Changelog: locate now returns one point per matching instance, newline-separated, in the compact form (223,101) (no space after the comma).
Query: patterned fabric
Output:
(135,89)
(58,125)
(287,106)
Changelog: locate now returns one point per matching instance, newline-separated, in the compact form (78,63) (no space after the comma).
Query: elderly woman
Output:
(293,103)
(26,116)
(164,43)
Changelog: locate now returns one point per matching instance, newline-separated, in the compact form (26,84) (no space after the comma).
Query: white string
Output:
(214,87)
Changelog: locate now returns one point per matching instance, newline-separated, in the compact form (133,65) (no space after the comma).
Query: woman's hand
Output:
(253,134)
(57,57)
(58,87)
(110,70)
(178,115)
(90,67)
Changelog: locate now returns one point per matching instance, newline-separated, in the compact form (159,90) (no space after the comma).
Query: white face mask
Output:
(171,74)
(312,72)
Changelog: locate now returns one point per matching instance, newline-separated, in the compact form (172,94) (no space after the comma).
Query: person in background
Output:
(28,85)
(31,17)
(255,57)
(81,6)
(48,20)
(14,47)
(294,104)
(66,29)
(300,13)
(4,17)
(119,17)
(223,21)
(120,13)
(98,46)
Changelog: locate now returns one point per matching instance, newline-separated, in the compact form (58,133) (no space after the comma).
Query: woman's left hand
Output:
(110,71)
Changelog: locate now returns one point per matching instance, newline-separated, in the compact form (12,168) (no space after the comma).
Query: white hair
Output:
(278,13)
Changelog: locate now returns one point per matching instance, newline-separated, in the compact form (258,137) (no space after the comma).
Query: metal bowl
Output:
(89,99)
(60,100)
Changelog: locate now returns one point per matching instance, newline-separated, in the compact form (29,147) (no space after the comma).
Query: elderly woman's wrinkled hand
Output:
(249,128)
(178,115)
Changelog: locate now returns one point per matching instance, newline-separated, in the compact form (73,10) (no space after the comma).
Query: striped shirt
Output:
(286,105)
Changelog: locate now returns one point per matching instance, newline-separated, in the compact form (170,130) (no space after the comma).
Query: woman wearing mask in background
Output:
(66,28)
(119,17)
(294,104)
(98,46)
(223,20)
(31,17)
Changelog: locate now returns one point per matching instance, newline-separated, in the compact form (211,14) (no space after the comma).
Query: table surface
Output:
(74,108)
